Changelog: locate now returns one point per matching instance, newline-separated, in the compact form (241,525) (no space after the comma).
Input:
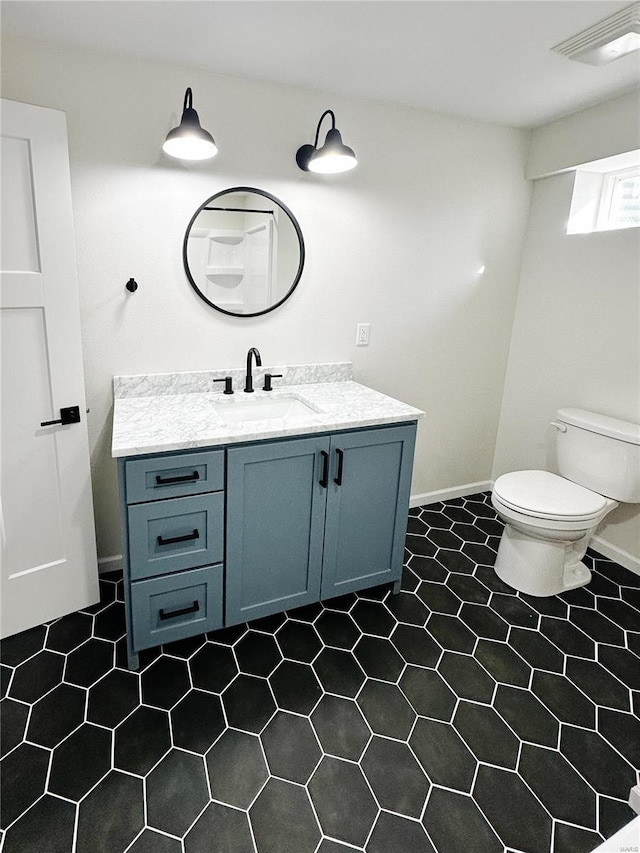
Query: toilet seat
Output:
(542,495)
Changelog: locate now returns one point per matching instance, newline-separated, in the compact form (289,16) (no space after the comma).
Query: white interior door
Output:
(49,564)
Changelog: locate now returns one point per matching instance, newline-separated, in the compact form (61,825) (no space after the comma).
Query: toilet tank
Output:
(600,453)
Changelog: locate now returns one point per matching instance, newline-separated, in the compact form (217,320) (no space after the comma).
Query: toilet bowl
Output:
(549,522)
(550,518)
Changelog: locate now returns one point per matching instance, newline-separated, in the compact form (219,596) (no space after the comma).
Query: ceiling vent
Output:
(612,38)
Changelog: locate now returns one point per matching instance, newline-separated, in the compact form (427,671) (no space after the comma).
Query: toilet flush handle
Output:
(559,426)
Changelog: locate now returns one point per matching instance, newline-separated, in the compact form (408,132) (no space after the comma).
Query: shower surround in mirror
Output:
(243,252)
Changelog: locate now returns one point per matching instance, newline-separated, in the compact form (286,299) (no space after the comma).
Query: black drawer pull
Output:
(188,538)
(173,613)
(185,478)
(324,480)
(338,478)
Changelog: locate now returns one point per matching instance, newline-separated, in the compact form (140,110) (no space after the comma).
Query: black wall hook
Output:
(132,285)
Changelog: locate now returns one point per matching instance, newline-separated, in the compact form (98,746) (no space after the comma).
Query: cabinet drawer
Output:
(176,606)
(167,536)
(170,476)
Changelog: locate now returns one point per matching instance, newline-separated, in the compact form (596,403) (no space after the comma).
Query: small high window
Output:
(606,195)
(620,200)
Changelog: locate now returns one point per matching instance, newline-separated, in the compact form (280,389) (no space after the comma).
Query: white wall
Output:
(576,333)
(397,243)
(602,131)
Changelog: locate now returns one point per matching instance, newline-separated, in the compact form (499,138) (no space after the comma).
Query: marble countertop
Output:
(160,412)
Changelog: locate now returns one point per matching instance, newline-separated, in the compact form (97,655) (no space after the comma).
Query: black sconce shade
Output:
(189,141)
(333,157)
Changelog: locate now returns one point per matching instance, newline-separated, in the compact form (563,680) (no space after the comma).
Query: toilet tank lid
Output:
(602,424)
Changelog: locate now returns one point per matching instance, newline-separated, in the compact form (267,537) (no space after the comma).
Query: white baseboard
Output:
(449,494)
(624,558)
(110,564)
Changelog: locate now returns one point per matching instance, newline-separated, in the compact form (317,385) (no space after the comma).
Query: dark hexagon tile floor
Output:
(456,716)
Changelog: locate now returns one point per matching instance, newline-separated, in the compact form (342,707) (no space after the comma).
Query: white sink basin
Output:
(261,409)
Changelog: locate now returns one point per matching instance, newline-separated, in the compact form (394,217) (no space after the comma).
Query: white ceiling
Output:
(482,59)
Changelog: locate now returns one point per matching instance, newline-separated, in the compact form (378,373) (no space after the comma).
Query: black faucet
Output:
(248,385)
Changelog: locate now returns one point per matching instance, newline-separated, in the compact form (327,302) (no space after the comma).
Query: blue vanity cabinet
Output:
(217,537)
(314,518)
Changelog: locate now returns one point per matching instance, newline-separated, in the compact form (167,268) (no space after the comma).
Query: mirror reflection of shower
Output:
(234,252)
(243,251)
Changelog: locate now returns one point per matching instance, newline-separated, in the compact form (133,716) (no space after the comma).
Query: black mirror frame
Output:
(300,242)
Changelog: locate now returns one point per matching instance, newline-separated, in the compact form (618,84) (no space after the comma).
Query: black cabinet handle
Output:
(173,613)
(338,478)
(184,478)
(188,538)
(324,480)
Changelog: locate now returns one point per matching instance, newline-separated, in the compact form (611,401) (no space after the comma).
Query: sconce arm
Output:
(333,124)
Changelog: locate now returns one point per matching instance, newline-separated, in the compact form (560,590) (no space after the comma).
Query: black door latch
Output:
(69,415)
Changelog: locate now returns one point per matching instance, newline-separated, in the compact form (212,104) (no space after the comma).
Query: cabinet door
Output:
(275,519)
(367,508)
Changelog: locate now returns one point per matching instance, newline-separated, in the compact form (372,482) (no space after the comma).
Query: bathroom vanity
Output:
(235,507)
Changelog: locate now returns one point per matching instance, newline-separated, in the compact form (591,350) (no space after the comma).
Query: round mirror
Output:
(243,252)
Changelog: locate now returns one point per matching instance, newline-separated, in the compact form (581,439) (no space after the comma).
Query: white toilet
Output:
(549,518)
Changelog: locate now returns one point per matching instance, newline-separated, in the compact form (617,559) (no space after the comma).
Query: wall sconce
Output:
(333,157)
(189,141)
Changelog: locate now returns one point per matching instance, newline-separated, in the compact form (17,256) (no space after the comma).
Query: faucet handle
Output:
(228,384)
(267,380)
